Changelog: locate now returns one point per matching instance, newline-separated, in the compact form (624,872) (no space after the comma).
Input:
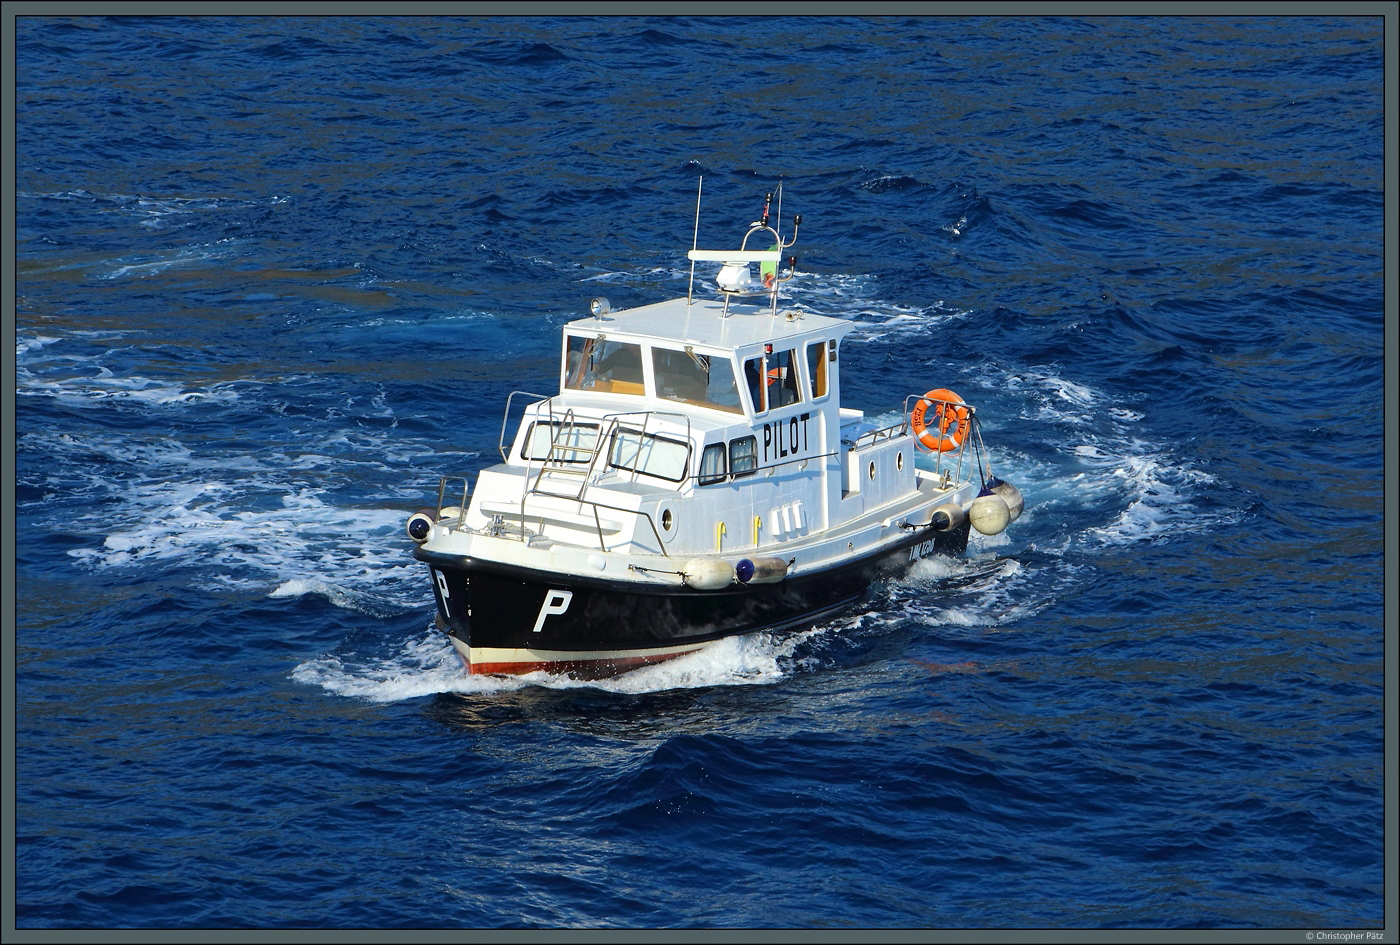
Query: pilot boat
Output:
(696,477)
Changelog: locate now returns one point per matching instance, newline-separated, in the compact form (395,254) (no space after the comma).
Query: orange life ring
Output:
(950,415)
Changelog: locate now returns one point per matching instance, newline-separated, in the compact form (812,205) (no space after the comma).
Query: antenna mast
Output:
(694,240)
(780,209)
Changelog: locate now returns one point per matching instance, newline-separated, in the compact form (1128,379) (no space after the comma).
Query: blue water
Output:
(275,276)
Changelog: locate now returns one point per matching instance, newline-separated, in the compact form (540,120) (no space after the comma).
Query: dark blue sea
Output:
(275,276)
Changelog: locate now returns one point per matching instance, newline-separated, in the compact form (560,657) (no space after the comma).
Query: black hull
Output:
(506,618)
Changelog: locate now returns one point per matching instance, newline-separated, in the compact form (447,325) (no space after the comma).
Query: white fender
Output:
(989,514)
(947,517)
(707,574)
(1009,494)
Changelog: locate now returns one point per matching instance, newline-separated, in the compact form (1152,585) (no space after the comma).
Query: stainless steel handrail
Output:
(608,426)
(505,418)
(598,524)
(961,453)
(616,425)
(442,489)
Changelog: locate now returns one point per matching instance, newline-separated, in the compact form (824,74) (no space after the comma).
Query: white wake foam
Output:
(429,665)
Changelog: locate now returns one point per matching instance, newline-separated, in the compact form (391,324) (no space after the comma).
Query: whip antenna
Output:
(780,210)
(695,240)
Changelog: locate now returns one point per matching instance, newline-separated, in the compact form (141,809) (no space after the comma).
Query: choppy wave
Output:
(140,391)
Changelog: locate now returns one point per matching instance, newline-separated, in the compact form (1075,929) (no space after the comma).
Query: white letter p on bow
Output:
(555,602)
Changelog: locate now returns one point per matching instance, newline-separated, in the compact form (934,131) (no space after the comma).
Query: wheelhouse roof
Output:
(674,322)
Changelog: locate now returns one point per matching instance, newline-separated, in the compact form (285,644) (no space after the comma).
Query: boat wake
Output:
(427,666)
(950,592)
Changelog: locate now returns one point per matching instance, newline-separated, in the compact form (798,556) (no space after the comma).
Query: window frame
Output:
(709,479)
(528,440)
(820,368)
(659,352)
(752,441)
(616,442)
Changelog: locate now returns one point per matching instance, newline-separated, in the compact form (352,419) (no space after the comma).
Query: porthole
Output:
(666,519)
(871,472)
(899,461)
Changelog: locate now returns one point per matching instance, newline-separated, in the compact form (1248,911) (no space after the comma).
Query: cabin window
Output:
(783,386)
(758,391)
(597,364)
(816,368)
(652,455)
(692,378)
(743,456)
(571,442)
(712,464)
